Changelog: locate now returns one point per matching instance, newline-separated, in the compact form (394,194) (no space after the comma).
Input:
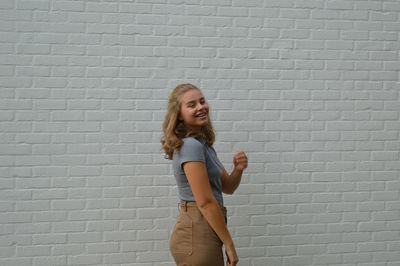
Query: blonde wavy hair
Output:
(174,129)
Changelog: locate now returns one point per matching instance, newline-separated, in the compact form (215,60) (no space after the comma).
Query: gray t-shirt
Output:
(197,150)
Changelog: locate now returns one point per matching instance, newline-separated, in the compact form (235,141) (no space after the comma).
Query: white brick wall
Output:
(310,89)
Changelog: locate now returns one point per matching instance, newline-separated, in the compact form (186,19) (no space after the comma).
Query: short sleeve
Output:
(192,150)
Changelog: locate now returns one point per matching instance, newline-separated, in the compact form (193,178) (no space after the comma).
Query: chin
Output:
(200,125)
(205,123)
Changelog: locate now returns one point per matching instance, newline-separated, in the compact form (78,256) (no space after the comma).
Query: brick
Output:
(281,251)
(54,260)
(85,259)
(33,251)
(52,239)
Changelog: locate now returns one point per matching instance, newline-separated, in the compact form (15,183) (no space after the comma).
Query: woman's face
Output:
(194,109)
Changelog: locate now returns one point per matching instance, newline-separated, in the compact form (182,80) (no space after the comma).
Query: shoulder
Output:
(191,145)
(191,150)
(192,142)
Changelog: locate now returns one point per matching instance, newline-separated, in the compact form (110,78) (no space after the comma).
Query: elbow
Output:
(205,203)
(228,188)
(228,191)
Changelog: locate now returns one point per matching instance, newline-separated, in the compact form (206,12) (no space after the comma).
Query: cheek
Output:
(185,113)
(205,106)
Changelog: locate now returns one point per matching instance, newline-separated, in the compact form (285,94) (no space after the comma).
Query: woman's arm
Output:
(196,173)
(231,182)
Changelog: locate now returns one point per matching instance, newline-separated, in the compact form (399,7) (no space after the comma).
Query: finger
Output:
(240,158)
(241,155)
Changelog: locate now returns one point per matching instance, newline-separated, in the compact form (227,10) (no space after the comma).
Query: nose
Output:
(201,106)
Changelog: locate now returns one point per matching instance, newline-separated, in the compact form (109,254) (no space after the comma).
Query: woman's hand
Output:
(240,161)
(232,258)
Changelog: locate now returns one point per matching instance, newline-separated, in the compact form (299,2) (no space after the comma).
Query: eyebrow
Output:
(193,101)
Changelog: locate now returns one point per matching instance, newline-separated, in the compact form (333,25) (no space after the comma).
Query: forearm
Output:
(232,181)
(214,216)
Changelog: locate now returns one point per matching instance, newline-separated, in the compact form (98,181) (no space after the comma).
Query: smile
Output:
(201,115)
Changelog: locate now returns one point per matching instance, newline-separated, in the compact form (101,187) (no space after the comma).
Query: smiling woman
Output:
(201,230)
(183,104)
(194,109)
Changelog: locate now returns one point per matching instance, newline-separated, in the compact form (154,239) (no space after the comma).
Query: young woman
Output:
(200,231)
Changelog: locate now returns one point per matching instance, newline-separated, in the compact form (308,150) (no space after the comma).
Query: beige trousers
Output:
(193,242)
